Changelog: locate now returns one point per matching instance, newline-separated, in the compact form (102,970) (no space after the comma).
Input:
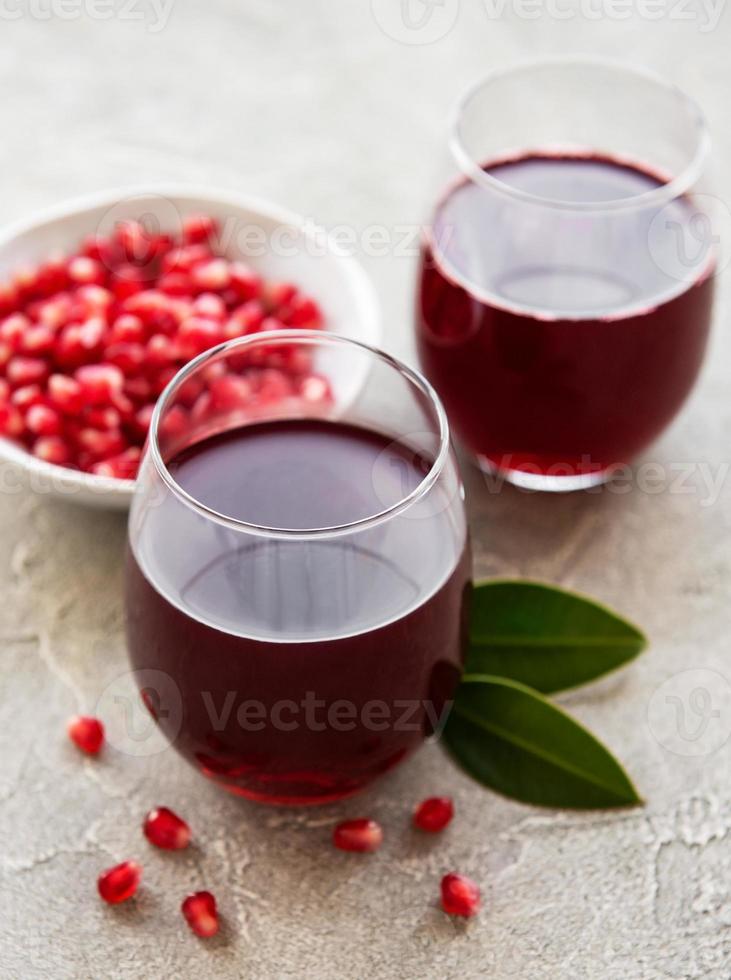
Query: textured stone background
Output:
(315,105)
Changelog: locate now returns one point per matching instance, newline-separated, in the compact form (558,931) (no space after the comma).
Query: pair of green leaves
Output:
(528,640)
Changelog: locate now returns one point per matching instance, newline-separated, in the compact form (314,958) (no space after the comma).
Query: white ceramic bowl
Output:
(278,244)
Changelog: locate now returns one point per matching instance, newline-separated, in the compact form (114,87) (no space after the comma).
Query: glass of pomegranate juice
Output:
(298,565)
(566,280)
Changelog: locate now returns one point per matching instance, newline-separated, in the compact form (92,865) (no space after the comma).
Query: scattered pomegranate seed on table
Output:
(201,914)
(86,733)
(434,814)
(166,829)
(360,835)
(118,884)
(460,895)
(88,342)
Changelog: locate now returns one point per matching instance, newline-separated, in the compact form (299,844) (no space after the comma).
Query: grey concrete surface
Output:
(317,106)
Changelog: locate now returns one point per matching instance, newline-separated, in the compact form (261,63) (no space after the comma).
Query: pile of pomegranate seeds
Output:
(86,733)
(460,895)
(361,836)
(119,883)
(88,343)
(201,914)
(166,829)
(434,814)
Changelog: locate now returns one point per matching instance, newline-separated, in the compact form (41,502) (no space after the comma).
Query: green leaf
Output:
(513,740)
(546,637)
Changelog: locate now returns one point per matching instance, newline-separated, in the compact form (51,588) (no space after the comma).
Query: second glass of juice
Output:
(298,565)
(566,282)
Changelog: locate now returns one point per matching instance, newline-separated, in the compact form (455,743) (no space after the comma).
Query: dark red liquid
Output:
(325,661)
(560,344)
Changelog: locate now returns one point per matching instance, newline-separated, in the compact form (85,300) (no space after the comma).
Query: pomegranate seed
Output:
(230,392)
(276,294)
(175,284)
(197,335)
(315,389)
(189,391)
(200,913)
(358,835)
(25,371)
(52,276)
(8,298)
(23,398)
(101,444)
(143,417)
(122,467)
(174,423)
(86,272)
(25,283)
(127,329)
(163,379)
(460,895)
(244,282)
(12,329)
(127,282)
(86,733)
(93,301)
(248,317)
(183,259)
(209,306)
(69,351)
(52,449)
(434,814)
(273,385)
(124,405)
(165,829)
(160,351)
(11,421)
(100,248)
(4,390)
(54,312)
(99,382)
(211,276)
(303,313)
(135,242)
(157,311)
(103,417)
(118,884)
(65,394)
(43,421)
(39,339)
(138,389)
(199,228)
(128,357)
(202,407)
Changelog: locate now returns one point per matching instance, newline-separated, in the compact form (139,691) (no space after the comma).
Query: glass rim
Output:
(674,187)
(313,338)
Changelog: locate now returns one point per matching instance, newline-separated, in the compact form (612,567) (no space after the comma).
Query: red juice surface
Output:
(305,667)
(560,344)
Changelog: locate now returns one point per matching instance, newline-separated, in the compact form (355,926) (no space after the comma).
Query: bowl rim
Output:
(367,303)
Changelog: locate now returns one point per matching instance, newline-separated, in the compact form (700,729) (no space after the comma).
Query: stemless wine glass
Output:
(298,564)
(566,281)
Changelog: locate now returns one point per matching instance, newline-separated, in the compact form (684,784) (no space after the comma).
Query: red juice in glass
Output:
(565,295)
(304,583)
